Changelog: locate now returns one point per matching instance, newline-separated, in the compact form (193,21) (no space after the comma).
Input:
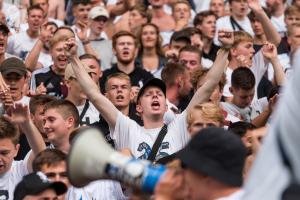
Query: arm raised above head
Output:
(103,105)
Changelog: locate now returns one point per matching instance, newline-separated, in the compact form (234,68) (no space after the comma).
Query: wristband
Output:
(85,42)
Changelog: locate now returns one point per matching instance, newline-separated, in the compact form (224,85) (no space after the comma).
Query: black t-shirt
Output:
(138,76)
(53,82)
(211,55)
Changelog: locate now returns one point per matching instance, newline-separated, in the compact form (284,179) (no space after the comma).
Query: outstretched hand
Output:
(18,114)
(254,5)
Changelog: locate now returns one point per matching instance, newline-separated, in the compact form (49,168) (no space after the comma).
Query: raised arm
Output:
(215,73)
(103,105)
(19,115)
(31,60)
(270,31)
(269,51)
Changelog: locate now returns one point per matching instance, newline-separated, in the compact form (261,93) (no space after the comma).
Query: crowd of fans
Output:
(189,84)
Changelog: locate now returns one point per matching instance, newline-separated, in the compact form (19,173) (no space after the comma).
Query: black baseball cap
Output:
(13,64)
(180,35)
(217,153)
(152,82)
(35,183)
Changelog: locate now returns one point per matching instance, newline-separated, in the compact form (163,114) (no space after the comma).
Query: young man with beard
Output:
(190,56)
(50,79)
(21,43)
(151,105)
(125,49)
(39,56)
(178,84)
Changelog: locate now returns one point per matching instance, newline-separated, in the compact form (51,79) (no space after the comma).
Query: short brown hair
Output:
(243,78)
(118,75)
(180,2)
(199,18)
(208,111)
(8,131)
(143,11)
(171,71)
(291,10)
(48,157)
(34,7)
(39,100)
(199,74)
(120,34)
(65,108)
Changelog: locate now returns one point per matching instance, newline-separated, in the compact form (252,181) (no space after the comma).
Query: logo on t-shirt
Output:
(146,150)
(4,195)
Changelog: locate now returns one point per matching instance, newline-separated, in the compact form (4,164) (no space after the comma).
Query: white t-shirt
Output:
(248,113)
(224,22)
(279,24)
(128,134)
(20,44)
(10,179)
(104,189)
(259,67)
(91,115)
(45,59)
(12,15)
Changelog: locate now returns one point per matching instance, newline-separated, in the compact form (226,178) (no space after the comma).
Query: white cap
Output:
(98,11)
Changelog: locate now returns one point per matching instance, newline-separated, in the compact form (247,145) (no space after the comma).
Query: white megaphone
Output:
(91,158)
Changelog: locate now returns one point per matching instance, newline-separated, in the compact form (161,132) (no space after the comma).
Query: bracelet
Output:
(85,42)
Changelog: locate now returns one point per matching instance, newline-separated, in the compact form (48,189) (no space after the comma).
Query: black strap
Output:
(85,108)
(235,25)
(162,133)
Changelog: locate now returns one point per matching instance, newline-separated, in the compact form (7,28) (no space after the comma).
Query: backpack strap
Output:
(161,135)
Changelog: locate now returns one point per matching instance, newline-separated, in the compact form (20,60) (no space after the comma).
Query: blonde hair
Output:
(56,39)
(241,36)
(208,110)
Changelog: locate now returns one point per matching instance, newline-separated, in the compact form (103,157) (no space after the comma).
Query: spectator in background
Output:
(39,56)
(217,7)
(125,48)
(150,56)
(160,18)
(237,21)
(190,56)
(276,10)
(181,12)
(205,21)
(12,16)
(4,32)
(138,16)
(21,43)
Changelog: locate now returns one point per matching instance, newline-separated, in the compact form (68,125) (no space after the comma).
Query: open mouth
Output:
(120,97)
(1,44)
(155,105)
(125,53)
(62,59)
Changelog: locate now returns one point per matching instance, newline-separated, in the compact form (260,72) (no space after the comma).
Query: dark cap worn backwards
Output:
(35,183)
(13,64)
(152,82)
(216,153)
